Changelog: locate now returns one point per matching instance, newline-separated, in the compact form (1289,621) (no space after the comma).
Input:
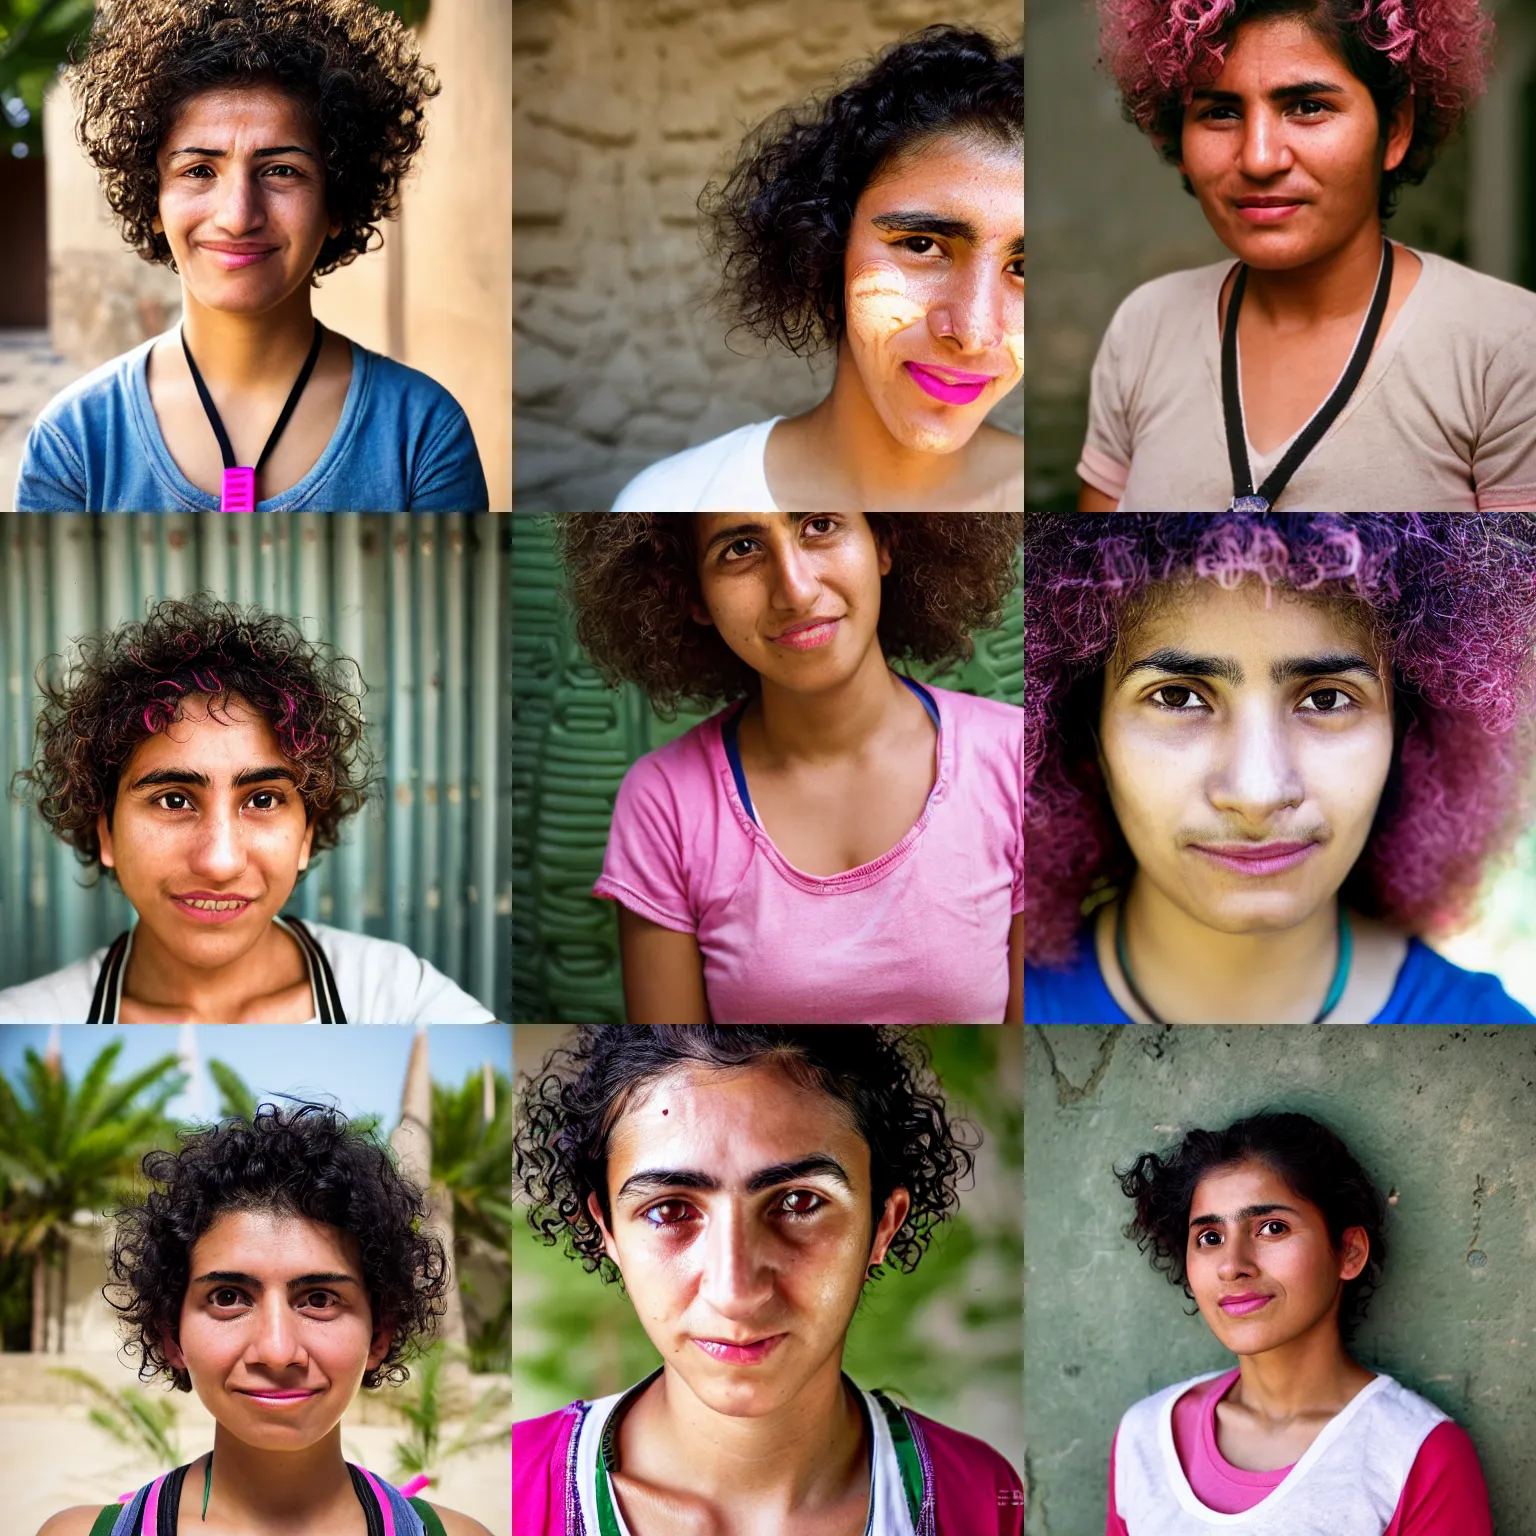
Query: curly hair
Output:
(1451,604)
(352,67)
(880,1075)
(780,223)
(1310,1159)
(1434,52)
(632,575)
(129,683)
(305,1160)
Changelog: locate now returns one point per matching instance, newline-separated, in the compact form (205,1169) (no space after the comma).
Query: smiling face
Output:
(242,198)
(208,834)
(795,595)
(1284,148)
(276,1329)
(1260,1261)
(934,290)
(1245,749)
(741,1222)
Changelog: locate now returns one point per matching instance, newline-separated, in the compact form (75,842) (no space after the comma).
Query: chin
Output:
(948,433)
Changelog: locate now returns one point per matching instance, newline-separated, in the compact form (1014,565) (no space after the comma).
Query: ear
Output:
(1399,134)
(304,847)
(595,1211)
(378,1347)
(897,1205)
(172,1352)
(1354,1253)
(157,224)
(104,837)
(700,615)
(885,544)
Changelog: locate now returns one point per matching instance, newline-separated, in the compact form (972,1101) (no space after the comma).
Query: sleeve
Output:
(440,1000)
(644,865)
(1504,456)
(1108,449)
(52,475)
(1445,1494)
(449,477)
(1113,1524)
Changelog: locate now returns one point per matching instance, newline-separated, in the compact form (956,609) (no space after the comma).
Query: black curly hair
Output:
(353,68)
(779,224)
(303,1160)
(631,577)
(127,684)
(881,1075)
(1308,1157)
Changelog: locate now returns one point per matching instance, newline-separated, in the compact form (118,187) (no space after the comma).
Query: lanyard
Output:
(1244,497)
(239,493)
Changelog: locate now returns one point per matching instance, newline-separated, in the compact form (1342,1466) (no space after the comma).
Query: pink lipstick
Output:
(1241,1306)
(740,1354)
(280,1399)
(1265,210)
(232,261)
(806,637)
(1256,858)
(967,389)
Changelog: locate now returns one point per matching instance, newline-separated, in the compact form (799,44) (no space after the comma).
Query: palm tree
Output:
(132,1416)
(67,1148)
(423,1407)
(239,1101)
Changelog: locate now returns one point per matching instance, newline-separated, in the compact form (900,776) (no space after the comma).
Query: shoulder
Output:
(1174,294)
(382,982)
(1074,993)
(1467,295)
(682,763)
(77,1521)
(1433,990)
(61,997)
(101,392)
(964,1458)
(974,708)
(1144,1414)
(405,389)
(456,1524)
(695,479)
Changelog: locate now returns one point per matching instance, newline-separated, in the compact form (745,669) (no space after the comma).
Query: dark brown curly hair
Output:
(127,684)
(353,68)
(632,575)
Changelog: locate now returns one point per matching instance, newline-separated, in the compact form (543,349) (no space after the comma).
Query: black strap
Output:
(1244,497)
(371,1514)
(321,978)
(217,424)
(170,1502)
(109,984)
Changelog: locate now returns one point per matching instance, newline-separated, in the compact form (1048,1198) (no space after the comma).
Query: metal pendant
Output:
(1248,504)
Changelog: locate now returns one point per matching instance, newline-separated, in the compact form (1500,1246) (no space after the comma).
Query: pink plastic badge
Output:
(239,491)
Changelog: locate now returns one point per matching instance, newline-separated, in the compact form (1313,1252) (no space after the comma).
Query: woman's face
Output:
(1226,726)
(242,197)
(796,595)
(1283,148)
(208,834)
(741,1223)
(276,1328)
(1260,1261)
(934,290)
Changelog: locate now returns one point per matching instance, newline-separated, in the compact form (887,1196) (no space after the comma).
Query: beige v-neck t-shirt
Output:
(1443,420)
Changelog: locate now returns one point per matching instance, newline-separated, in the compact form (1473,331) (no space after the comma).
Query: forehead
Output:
(220,742)
(1279,50)
(223,116)
(958,178)
(1226,1190)
(274,1243)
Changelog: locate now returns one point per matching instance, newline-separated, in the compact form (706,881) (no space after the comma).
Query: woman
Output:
(745,1185)
(839,843)
(1328,368)
(1265,754)
(201,758)
(885,225)
(275,1267)
(1275,1232)
(253,146)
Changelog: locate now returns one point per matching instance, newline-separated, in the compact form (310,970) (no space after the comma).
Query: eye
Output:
(1200,1241)
(1310,107)
(1280,1226)
(226,1296)
(1330,701)
(801,1203)
(321,1299)
(734,552)
(275,797)
(1018,262)
(831,524)
(667,1213)
(1177,699)
(173,794)
(912,242)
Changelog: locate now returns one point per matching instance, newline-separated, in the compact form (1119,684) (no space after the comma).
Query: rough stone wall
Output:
(623,110)
(1441,1117)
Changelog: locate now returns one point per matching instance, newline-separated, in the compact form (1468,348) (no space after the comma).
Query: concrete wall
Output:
(1443,1116)
(624,110)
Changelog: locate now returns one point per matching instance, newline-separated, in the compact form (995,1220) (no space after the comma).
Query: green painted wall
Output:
(572,739)
(1444,1116)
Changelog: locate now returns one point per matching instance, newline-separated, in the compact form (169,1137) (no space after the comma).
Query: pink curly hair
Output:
(1451,601)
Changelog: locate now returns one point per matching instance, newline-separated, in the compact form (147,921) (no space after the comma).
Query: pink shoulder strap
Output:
(541,1491)
(152,1507)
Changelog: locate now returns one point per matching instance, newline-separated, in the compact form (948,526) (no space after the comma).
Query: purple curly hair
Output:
(1451,602)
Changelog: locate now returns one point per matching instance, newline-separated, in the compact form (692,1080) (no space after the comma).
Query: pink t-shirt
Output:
(919,936)
(1445,1494)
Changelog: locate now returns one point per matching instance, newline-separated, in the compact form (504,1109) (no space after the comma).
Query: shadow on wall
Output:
(572,740)
(619,360)
(1440,1116)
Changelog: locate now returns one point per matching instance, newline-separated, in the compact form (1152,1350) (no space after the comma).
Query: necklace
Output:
(239,491)
(1335,990)
(1244,497)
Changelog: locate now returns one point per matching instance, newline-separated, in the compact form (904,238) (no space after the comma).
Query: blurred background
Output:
(623,112)
(943,1340)
(436,296)
(573,738)
(1106,214)
(1441,1121)
(79,1107)
(417,601)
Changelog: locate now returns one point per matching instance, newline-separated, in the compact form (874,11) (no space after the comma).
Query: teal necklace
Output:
(1335,992)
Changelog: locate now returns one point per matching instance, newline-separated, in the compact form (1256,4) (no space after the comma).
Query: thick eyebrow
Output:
(1247,1213)
(651,1180)
(1289,669)
(239,1277)
(1281,93)
(937,224)
(159,776)
(749,530)
(260,154)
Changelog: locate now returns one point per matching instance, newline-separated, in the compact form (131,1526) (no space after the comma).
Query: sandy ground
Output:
(30,376)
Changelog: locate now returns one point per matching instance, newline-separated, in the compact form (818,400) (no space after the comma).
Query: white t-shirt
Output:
(377,980)
(723,475)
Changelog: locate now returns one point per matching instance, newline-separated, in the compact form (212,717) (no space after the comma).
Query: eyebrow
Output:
(158,776)
(650,1180)
(239,1277)
(1226,669)
(1280,93)
(260,154)
(1247,1213)
(937,224)
(746,530)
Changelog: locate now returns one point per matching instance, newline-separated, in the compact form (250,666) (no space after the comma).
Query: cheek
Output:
(879,307)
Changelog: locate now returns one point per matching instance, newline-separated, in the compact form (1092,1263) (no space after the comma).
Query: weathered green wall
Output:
(1443,1116)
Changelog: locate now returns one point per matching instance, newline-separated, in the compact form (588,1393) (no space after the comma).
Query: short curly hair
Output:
(779,224)
(1434,52)
(355,69)
(632,575)
(1450,602)
(882,1076)
(300,1160)
(1311,1160)
(128,684)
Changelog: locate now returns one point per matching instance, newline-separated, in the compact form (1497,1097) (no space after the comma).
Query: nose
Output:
(1264,150)
(1258,774)
(219,849)
(1236,1258)
(276,1343)
(795,582)
(241,210)
(737,1281)
(974,309)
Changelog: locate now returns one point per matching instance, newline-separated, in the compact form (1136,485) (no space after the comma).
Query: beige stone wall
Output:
(624,110)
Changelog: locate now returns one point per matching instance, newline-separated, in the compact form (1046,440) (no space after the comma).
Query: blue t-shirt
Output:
(403,444)
(1428,990)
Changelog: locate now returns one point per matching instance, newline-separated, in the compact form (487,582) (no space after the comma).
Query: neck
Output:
(272,1491)
(156,978)
(1193,974)
(838,723)
(250,352)
(1336,286)
(1307,1376)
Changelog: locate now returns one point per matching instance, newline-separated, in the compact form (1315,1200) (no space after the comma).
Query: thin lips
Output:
(954,375)
(743,1344)
(1254,850)
(278,1391)
(1247,1296)
(796,629)
(1267,202)
(212,896)
(236,250)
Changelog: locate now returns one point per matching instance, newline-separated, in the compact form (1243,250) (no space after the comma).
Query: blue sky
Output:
(361,1068)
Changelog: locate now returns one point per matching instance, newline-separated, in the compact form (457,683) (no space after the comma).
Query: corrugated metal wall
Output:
(420,602)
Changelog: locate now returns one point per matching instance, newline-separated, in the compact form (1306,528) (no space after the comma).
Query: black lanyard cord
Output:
(1244,497)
